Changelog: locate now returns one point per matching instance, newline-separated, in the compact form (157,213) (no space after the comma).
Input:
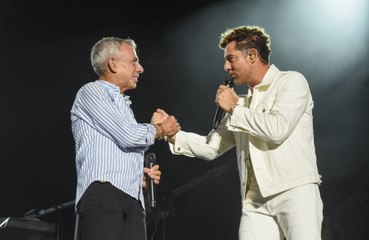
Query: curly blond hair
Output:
(248,37)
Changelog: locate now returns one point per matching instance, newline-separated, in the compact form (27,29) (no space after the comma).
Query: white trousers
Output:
(296,214)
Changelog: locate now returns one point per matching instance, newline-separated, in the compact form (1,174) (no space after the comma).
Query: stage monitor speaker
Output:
(27,229)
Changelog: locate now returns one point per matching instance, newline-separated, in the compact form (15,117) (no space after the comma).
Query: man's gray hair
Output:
(106,48)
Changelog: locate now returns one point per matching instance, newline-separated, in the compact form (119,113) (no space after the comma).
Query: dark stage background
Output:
(45,59)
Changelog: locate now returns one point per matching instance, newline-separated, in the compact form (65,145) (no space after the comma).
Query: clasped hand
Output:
(169,124)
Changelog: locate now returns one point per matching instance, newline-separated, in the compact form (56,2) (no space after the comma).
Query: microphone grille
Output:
(150,158)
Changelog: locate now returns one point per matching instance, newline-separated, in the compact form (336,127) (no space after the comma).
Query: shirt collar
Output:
(108,85)
(112,87)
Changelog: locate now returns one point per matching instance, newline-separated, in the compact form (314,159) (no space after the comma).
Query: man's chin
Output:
(237,82)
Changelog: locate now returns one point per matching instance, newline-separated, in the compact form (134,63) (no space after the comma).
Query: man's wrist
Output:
(233,107)
(160,133)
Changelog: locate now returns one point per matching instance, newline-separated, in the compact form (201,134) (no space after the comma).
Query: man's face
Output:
(237,64)
(128,68)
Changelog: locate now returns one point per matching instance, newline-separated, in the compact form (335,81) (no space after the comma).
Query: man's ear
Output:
(111,65)
(252,55)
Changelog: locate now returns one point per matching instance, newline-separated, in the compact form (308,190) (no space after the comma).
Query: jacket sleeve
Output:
(207,147)
(277,114)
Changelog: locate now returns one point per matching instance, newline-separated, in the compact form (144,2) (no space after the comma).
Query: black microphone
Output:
(219,114)
(150,160)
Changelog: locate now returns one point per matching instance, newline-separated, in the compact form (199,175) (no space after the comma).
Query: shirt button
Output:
(178,149)
(264,110)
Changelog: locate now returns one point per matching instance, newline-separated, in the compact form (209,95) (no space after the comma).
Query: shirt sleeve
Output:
(98,109)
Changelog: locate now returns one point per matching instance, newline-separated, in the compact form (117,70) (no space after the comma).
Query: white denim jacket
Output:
(275,130)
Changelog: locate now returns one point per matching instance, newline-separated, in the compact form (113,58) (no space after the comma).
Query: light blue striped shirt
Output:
(109,143)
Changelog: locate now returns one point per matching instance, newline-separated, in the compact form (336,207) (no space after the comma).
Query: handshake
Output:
(166,126)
